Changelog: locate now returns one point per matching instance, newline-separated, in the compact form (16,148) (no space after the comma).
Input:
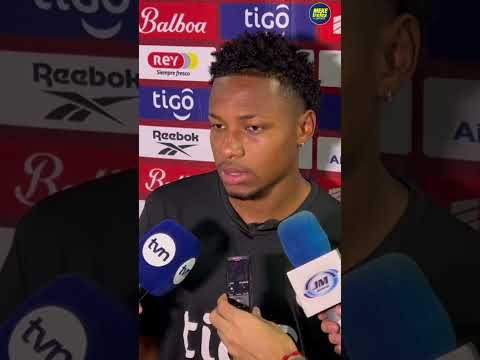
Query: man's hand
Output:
(333,330)
(249,336)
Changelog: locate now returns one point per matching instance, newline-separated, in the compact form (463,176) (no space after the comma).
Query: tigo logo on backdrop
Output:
(286,19)
(320,14)
(175,143)
(170,60)
(329,157)
(175,63)
(195,21)
(174,104)
(97,19)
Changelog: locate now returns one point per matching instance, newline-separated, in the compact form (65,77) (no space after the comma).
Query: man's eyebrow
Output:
(241,117)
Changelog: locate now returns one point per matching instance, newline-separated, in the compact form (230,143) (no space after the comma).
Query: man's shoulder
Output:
(186,191)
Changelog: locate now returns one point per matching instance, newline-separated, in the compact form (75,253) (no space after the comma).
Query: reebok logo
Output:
(171,149)
(79,108)
(89,77)
(175,143)
(158,135)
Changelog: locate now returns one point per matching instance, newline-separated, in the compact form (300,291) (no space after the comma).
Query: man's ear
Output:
(306,126)
(400,48)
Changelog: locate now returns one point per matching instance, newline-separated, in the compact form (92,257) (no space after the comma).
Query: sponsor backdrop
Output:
(175,52)
(69,93)
(431,132)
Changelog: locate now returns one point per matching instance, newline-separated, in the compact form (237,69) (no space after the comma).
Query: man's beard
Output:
(255,194)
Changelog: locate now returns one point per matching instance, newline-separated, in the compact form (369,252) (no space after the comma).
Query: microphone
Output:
(392,313)
(69,319)
(316,278)
(167,254)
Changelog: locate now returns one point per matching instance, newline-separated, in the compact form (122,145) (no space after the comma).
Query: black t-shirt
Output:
(181,318)
(448,252)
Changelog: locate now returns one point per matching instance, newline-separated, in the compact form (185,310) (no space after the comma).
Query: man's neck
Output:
(282,200)
(372,204)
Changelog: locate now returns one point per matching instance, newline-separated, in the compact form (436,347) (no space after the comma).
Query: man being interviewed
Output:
(262,110)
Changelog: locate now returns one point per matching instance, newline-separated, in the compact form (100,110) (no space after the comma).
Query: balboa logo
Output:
(165,60)
(267,17)
(41,335)
(320,13)
(174,104)
(174,21)
(87,8)
(159,250)
(172,149)
(321,283)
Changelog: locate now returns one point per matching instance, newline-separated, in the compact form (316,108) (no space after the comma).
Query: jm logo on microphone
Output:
(159,250)
(321,284)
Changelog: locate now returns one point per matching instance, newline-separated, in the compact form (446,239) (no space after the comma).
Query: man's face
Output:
(253,134)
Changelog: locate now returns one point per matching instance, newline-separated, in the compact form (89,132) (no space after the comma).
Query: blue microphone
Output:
(392,313)
(69,319)
(303,239)
(316,278)
(167,254)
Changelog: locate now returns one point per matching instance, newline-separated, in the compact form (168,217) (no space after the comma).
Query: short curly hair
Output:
(271,55)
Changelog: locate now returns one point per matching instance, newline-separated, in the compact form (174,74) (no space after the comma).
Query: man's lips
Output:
(234,175)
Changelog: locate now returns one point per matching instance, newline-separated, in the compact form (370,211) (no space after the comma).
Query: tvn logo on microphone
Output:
(48,333)
(321,284)
(159,250)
